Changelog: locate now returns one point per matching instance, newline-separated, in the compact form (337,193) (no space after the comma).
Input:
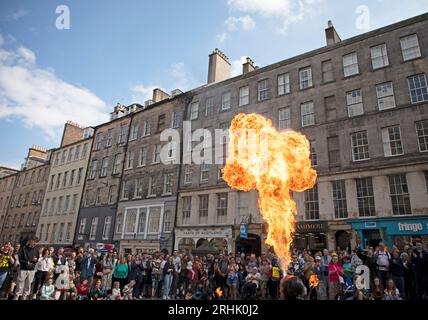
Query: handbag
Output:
(341,280)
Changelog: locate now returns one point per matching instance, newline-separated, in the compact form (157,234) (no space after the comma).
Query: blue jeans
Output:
(167,281)
(3,276)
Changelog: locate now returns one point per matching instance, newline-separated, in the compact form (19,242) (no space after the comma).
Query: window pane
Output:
(379,56)
(418,88)
(350,64)
(399,195)
(410,47)
(365,197)
(154,218)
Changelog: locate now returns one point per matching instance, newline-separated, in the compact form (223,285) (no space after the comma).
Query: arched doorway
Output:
(250,245)
(200,242)
(220,244)
(343,239)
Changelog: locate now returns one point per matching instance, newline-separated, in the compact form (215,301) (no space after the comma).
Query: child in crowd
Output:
(128,290)
(96,292)
(377,290)
(71,291)
(189,294)
(48,290)
(83,290)
(180,293)
(391,291)
(115,292)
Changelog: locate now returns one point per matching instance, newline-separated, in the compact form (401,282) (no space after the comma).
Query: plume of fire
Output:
(274,163)
(313,281)
(219,292)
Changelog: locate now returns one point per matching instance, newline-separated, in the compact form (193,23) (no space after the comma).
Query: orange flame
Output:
(259,157)
(313,281)
(219,292)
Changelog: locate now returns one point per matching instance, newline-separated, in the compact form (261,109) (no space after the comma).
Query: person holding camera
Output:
(28,257)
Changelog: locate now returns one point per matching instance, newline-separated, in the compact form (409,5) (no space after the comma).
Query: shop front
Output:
(340,236)
(249,238)
(99,246)
(139,246)
(310,235)
(189,238)
(391,231)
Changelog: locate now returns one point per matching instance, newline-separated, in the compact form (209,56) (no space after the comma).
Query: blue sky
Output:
(118,51)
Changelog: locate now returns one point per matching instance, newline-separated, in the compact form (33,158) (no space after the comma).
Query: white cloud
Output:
(264,7)
(232,24)
(178,78)
(236,66)
(285,11)
(181,79)
(141,92)
(40,99)
(247,23)
(27,55)
(220,38)
(17,15)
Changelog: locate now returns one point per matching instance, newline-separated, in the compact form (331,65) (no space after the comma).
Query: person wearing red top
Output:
(335,277)
(83,290)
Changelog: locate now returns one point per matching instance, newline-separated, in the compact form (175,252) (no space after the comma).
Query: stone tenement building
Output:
(146,211)
(98,208)
(6,187)
(5,171)
(23,202)
(58,218)
(362,103)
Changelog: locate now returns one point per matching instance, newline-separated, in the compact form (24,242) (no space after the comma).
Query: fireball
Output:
(313,281)
(219,292)
(274,163)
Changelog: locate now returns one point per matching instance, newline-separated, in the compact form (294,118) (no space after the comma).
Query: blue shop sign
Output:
(243,232)
(406,226)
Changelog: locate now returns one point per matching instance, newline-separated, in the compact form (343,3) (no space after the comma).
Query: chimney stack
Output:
(331,36)
(72,132)
(37,152)
(159,95)
(218,67)
(248,66)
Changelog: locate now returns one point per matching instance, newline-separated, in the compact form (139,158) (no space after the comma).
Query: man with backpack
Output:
(382,258)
